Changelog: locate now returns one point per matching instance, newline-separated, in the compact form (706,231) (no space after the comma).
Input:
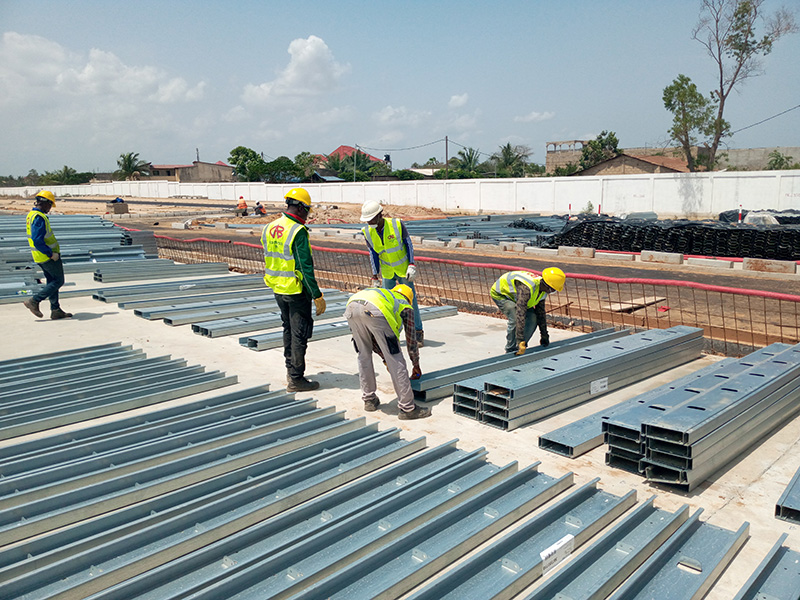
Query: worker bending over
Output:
(241,207)
(375,317)
(47,254)
(520,297)
(289,271)
(391,255)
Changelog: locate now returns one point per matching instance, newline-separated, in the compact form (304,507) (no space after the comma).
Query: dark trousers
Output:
(54,274)
(298,324)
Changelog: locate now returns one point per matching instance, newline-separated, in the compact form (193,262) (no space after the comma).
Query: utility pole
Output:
(446,158)
(355,150)
(197,150)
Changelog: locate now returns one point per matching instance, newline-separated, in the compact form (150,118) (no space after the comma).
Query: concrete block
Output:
(515,247)
(576,252)
(182,225)
(769,266)
(614,256)
(670,258)
(416,239)
(221,225)
(712,263)
(434,243)
(465,243)
(541,251)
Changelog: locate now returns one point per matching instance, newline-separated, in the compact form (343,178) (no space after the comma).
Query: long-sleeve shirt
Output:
(523,296)
(38,231)
(301,250)
(375,259)
(412,345)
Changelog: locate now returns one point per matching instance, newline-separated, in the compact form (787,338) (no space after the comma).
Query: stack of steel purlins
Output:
(788,506)
(515,397)
(688,442)
(154,269)
(262,321)
(439,384)
(624,430)
(467,397)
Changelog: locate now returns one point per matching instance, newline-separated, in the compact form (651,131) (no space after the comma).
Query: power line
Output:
(767,119)
(401,149)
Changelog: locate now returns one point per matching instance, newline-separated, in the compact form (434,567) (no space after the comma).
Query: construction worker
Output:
(289,271)
(259,210)
(375,317)
(391,255)
(520,297)
(241,208)
(47,254)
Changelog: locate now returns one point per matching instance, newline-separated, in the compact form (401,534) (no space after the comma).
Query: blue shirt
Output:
(38,231)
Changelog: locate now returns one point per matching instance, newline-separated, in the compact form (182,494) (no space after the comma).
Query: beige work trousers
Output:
(367,324)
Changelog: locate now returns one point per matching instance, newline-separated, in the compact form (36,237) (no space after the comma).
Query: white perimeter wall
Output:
(691,195)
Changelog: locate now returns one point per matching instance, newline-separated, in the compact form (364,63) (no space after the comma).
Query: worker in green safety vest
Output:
(391,255)
(46,253)
(375,317)
(289,271)
(520,296)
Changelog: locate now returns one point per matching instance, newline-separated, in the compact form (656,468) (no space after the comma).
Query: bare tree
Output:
(727,30)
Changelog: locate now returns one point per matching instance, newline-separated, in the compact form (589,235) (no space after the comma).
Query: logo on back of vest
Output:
(276,231)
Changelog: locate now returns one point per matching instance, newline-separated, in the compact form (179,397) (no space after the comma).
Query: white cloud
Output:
(534,117)
(401,116)
(312,72)
(458,101)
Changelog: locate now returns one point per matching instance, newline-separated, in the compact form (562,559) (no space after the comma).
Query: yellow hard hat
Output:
(47,195)
(299,195)
(405,291)
(554,277)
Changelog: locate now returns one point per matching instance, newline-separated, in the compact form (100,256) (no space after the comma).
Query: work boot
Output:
(59,314)
(33,306)
(302,385)
(420,338)
(371,405)
(417,413)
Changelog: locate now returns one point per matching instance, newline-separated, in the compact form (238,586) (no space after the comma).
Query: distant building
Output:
(345,151)
(625,164)
(197,172)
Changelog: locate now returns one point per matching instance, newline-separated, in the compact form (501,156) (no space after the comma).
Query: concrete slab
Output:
(670,258)
(576,252)
(614,256)
(769,266)
(711,263)
(745,491)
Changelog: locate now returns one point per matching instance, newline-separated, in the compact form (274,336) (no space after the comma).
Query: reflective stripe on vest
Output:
(49,237)
(505,287)
(390,303)
(390,248)
(279,265)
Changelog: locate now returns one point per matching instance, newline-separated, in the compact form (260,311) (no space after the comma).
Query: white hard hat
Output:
(369,209)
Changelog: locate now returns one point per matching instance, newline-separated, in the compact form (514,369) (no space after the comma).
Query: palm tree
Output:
(510,160)
(130,167)
(467,159)
(65,176)
(334,162)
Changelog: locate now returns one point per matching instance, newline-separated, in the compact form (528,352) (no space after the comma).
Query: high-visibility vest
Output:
(49,236)
(390,248)
(390,303)
(506,287)
(280,272)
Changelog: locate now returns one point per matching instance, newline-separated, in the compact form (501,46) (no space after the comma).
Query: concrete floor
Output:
(745,491)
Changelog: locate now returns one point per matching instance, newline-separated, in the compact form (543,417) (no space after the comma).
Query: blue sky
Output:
(83,81)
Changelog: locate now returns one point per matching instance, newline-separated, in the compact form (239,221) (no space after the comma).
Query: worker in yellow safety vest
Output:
(289,271)
(375,317)
(391,255)
(46,253)
(520,296)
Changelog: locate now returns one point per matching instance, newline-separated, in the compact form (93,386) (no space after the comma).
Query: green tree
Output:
(248,164)
(304,165)
(130,167)
(362,165)
(603,147)
(727,30)
(334,162)
(567,169)
(467,160)
(407,175)
(280,170)
(510,160)
(64,176)
(692,114)
(780,162)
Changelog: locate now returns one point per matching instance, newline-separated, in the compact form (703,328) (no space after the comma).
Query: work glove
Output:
(376,281)
(416,372)
(55,256)
(521,348)
(319,303)
(544,340)
(411,273)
